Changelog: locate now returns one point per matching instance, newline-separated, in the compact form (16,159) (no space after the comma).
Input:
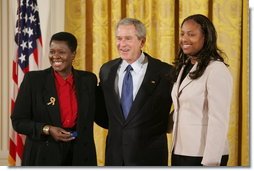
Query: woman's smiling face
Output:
(191,38)
(61,57)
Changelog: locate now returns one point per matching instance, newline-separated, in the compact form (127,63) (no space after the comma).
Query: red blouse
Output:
(67,100)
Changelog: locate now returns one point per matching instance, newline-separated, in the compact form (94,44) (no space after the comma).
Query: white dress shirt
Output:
(138,73)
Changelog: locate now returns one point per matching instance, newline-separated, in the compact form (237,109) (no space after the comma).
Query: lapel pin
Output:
(51,101)
(153,82)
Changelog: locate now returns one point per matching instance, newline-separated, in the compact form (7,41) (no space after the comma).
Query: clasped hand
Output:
(59,134)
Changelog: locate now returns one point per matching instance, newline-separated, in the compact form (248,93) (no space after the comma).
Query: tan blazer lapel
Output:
(187,80)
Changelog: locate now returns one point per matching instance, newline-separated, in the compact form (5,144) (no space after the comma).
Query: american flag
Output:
(28,43)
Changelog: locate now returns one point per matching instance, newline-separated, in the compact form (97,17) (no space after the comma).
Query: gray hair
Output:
(139,26)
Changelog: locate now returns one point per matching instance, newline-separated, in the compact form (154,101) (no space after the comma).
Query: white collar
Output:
(137,65)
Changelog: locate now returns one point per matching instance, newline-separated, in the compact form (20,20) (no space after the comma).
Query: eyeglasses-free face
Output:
(191,38)
(128,44)
(61,57)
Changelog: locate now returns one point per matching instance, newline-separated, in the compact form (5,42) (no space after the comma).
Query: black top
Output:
(186,70)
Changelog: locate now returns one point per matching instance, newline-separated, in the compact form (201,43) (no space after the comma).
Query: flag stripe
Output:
(19,145)
(14,72)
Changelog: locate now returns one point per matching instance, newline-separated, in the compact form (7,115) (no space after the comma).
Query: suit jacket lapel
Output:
(49,95)
(115,101)
(82,99)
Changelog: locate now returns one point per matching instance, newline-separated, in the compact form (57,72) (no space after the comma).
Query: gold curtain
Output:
(93,22)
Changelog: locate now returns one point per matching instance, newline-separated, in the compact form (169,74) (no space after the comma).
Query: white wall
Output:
(52,21)
(51,14)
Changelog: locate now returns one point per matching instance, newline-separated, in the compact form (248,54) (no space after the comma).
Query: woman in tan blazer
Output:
(201,96)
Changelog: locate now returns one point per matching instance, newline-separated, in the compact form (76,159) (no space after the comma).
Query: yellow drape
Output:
(93,22)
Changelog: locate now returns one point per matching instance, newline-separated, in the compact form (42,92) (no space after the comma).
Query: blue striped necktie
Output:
(127,92)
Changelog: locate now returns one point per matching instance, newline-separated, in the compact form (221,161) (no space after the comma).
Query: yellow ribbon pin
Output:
(52,101)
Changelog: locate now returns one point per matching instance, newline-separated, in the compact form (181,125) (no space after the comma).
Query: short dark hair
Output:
(67,37)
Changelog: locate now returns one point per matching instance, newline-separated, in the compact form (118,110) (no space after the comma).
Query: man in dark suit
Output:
(55,110)
(137,129)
